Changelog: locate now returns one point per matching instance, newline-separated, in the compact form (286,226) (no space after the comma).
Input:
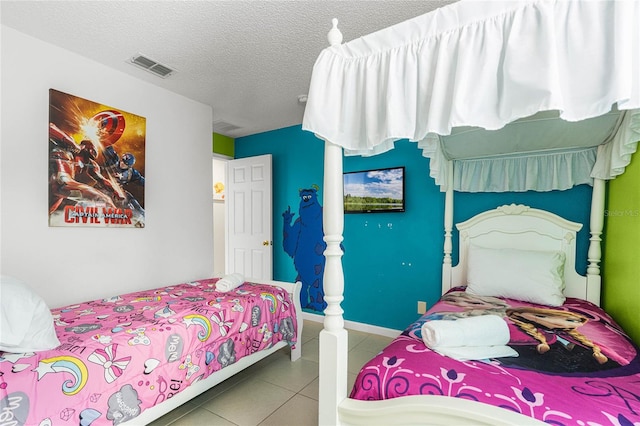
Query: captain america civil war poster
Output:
(96,164)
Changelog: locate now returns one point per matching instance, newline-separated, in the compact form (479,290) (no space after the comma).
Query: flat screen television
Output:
(374,191)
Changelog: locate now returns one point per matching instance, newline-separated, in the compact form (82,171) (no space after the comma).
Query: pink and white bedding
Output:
(122,355)
(575,365)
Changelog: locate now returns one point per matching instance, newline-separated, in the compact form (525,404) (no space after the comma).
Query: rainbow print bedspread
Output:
(122,355)
(575,366)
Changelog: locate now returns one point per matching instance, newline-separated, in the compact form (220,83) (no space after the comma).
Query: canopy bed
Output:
(534,95)
(131,358)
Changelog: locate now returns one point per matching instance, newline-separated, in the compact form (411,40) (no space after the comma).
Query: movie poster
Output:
(96,164)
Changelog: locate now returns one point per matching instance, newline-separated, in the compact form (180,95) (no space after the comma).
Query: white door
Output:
(249,217)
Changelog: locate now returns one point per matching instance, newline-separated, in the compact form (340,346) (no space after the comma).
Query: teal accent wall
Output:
(391,260)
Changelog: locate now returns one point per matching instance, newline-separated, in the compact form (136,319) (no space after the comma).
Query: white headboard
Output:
(525,228)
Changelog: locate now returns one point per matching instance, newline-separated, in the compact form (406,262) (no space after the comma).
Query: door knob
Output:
(265,243)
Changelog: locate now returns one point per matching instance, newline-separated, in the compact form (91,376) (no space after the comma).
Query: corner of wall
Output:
(223,145)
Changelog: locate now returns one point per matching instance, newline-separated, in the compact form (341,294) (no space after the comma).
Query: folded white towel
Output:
(483,330)
(229,282)
(480,337)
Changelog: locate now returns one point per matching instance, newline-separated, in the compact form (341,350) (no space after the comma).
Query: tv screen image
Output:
(374,191)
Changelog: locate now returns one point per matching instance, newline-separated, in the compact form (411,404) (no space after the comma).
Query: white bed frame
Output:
(201,386)
(511,226)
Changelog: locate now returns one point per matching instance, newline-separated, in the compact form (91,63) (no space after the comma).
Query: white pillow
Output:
(527,275)
(26,323)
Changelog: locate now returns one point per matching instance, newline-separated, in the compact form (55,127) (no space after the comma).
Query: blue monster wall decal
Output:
(303,242)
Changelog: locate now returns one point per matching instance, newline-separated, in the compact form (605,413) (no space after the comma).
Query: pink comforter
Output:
(576,367)
(122,355)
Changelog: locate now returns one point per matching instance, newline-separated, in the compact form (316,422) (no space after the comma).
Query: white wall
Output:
(68,265)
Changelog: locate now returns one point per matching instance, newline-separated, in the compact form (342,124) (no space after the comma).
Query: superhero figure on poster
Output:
(122,169)
(72,169)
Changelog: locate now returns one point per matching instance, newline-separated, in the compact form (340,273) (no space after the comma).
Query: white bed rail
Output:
(435,410)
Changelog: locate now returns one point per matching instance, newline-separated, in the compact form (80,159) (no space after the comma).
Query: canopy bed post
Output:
(333,338)
(594,255)
(448,227)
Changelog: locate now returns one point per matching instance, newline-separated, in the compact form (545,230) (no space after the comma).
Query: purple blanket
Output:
(575,365)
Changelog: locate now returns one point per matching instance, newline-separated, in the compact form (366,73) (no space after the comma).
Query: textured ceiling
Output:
(248,60)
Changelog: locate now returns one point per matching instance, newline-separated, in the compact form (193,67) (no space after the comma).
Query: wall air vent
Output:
(152,66)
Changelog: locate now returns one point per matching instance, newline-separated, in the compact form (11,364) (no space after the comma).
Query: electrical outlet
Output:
(422,307)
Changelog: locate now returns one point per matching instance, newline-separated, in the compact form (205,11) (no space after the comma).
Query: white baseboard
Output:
(356,326)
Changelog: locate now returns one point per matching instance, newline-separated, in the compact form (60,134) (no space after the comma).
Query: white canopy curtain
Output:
(486,64)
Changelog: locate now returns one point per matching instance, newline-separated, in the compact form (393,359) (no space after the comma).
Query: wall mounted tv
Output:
(374,191)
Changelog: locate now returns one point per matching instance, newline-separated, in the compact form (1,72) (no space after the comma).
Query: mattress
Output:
(121,355)
(574,364)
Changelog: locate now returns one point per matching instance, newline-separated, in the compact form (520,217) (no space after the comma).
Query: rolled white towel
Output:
(464,339)
(229,282)
(483,330)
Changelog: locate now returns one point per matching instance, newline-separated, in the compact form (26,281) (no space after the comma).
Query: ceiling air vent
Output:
(224,128)
(152,66)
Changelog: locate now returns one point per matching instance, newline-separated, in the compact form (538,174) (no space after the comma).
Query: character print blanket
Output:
(575,366)
(121,355)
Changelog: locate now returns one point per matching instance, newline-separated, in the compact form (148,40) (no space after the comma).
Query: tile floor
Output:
(275,391)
